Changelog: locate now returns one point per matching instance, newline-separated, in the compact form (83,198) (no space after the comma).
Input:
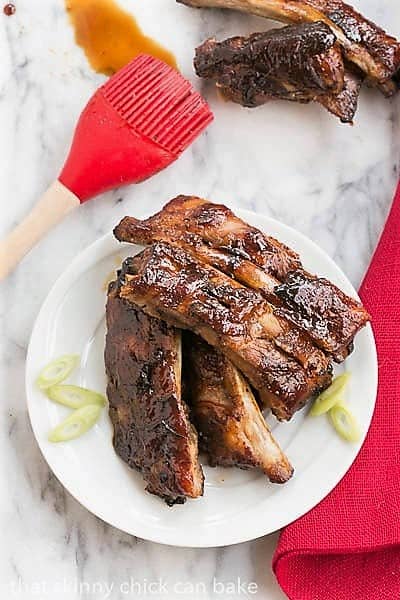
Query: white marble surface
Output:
(332,182)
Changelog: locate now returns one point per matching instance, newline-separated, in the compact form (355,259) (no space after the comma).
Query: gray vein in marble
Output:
(295,163)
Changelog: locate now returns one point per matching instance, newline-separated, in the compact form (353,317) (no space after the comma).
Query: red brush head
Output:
(138,123)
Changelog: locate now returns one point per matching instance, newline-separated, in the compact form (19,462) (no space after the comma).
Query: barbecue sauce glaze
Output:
(110,36)
(9,9)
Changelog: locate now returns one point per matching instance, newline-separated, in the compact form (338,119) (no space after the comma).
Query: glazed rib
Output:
(317,305)
(214,234)
(243,240)
(232,430)
(152,432)
(192,222)
(298,62)
(170,284)
(365,44)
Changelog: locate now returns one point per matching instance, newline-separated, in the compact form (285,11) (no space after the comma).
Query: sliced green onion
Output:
(331,396)
(78,423)
(345,423)
(74,396)
(56,371)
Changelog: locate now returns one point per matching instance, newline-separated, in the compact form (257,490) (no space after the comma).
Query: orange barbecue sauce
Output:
(110,36)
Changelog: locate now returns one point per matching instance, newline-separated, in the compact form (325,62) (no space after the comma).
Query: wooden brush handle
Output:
(53,206)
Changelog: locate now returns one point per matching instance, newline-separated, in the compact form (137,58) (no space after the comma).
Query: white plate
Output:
(237,506)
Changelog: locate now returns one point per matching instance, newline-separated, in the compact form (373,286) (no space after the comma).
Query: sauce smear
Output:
(110,36)
(9,9)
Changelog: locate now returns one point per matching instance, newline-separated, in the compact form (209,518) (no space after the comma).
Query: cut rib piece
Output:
(152,432)
(365,44)
(232,430)
(298,63)
(171,284)
(248,72)
(219,238)
(286,336)
(315,304)
(192,222)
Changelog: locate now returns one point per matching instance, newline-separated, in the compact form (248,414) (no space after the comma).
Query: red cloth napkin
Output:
(348,547)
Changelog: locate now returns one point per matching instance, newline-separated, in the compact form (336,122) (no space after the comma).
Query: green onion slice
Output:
(345,423)
(74,396)
(330,397)
(56,371)
(78,423)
